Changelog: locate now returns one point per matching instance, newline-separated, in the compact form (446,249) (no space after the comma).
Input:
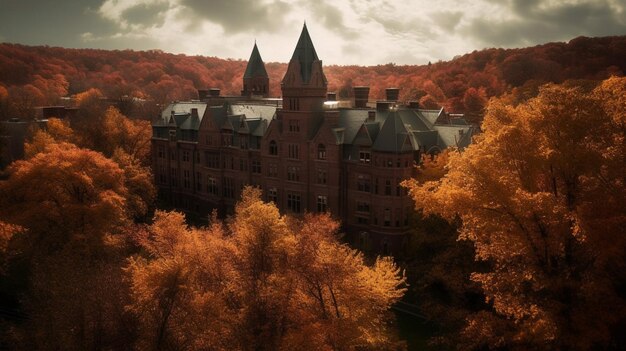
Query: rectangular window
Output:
(212,160)
(207,139)
(272,170)
(293,202)
(321,176)
(363,183)
(293,174)
(365,157)
(173,177)
(243,141)
(294,151)
(211,186)
(362,206)
(362,220)
(387,217)
(229,188)
(198,181)
(185,156)
(322,203)
(186,180)
(294,125)
(227,139)
(162,174)
(172,155)
(387,187)
(161,152)
(243,165)
(272,195)
(256,166)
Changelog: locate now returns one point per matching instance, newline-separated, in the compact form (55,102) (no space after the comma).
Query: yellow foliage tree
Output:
(541,196)
(263,282)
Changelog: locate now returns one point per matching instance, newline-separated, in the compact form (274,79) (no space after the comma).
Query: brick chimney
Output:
(361,96)
(392,94)
(331,96)
(203,94)
(214,92)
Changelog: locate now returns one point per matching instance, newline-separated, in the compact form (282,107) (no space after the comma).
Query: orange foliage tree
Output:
(541,195)
(263,281)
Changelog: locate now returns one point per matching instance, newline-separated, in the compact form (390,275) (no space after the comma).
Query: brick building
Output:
(305,152)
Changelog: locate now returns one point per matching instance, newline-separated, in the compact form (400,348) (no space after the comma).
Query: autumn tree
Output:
(263,281)
(541,197)
(72,204)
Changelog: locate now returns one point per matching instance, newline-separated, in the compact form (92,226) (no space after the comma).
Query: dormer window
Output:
(273,148)
(321,152)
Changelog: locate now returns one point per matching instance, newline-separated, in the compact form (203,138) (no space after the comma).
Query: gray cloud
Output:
(146,15)
(537,21)
(385,14)
(447,20)
(236,16)
(331,18)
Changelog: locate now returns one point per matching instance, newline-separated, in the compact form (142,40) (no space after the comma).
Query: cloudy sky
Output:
(364,32)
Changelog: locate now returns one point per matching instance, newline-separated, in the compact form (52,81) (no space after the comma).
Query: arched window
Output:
(273,148)
(321,152)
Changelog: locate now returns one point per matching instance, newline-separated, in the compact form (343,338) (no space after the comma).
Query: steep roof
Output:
(256,67)
(305,54)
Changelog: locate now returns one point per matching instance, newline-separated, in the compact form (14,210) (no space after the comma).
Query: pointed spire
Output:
(305,54)
(256,67)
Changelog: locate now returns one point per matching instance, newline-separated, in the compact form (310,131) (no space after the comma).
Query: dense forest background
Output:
(35,76)
(517,245)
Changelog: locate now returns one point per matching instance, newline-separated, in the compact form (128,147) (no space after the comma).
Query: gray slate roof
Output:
(256,67)
(305,54)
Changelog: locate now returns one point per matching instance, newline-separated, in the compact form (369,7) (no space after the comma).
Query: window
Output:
(362,206)
(186,180)
(198,181)
(272,170)
(294,151)
(321,152)
(322,203)
(389,163)
(398,187)
(365,157)
(321,176)
(172,135)
(293,174)
(243,165)
(387,217)
(363,183)
(243,141)
(293,202)
(229,188)
(294,104)
(208,140)
(173,173)
(294,125)
(211,186)
(256,166)
(387,187)
(212,160)
(273,148)
(362,220)
(272,195)
(162,174)
(227,139)
(172,155)
(185,156)
(161,152)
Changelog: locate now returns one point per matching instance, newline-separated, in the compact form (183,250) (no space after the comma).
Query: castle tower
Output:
(255,80)
(304,85)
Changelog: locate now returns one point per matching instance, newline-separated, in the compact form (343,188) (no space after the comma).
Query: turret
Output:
(255,80)
(304,85)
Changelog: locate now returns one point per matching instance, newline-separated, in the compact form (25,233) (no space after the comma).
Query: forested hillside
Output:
(31,76)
